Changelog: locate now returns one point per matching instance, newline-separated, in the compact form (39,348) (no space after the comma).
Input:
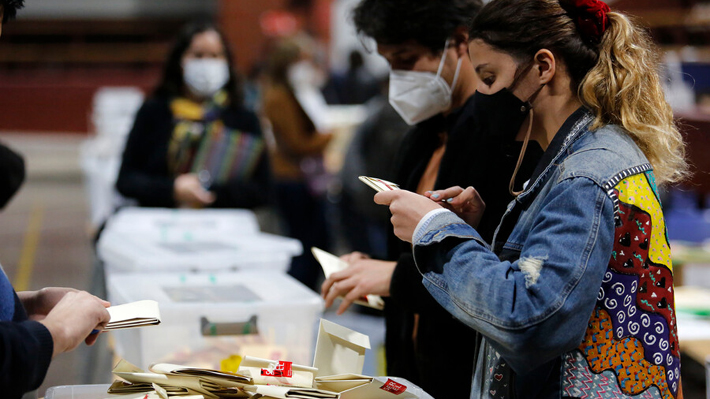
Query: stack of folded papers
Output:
(335,374)
(132,315)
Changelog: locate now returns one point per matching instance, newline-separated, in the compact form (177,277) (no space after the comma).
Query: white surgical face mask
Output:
(205,76)
(417,96)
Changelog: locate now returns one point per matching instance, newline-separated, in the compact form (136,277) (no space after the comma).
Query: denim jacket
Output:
(578,299)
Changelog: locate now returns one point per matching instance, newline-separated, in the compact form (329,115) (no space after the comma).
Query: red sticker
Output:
(393,387)
(282,369)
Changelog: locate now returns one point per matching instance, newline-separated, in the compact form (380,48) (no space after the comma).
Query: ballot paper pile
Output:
(336,373)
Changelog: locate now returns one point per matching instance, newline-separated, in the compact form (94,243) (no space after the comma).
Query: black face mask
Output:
(504,114)
(12,174)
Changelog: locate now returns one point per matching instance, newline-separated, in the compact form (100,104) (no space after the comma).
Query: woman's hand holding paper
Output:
(465,203)
(407,209)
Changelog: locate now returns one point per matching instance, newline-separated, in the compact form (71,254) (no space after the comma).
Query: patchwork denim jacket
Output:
(578,300)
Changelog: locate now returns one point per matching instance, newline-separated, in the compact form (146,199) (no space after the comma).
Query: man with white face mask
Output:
(419,95)
(432,83)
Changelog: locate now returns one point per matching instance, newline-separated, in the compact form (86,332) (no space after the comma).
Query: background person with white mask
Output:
(193,143)
(432,86)
(291,103)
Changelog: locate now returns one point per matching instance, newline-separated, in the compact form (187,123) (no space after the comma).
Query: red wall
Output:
(240,21)
(46,96)
(60,101)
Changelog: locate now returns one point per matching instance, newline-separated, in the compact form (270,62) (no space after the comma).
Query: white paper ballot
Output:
(135,314)
(339,350)
(331,264)
(379,184)
(290,392)
(266,372)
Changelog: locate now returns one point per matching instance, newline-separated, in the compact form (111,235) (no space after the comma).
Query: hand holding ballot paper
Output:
(356,278)
(338,271)
(132,315)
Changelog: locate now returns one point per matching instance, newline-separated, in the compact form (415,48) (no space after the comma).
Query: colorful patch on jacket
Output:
(632,332)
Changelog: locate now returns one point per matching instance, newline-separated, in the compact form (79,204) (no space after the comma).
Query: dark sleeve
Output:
(139,177)
(12,174)
(26,349)
(407,288)
(254,191)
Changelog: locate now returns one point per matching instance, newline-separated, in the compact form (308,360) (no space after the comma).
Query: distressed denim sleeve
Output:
(537,307)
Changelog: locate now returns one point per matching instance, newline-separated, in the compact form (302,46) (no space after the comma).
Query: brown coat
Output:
(295,134)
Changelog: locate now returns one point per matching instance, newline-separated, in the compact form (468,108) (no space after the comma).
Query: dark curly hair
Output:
(172,83)
(427,22)
(10,8)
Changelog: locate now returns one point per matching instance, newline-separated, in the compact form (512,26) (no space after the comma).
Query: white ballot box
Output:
(207,318)
(79,392)
(163,221)
(124,252)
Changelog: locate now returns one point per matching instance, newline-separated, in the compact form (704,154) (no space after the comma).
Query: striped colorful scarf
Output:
(203,145)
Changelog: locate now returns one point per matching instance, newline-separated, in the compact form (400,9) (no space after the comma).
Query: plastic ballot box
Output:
(163,222)
(208,319)
(124,252)
(79,392)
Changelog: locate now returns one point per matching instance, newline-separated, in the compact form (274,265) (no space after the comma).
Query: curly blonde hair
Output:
(616,77)
(624,88)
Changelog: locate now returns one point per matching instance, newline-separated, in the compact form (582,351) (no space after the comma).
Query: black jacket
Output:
(445,349)
(26,346)
(144,173)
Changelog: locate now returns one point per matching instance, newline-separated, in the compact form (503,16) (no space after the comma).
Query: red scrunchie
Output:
(590,17)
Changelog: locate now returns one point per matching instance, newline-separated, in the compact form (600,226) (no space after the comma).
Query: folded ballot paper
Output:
(275,372)
(272,391)
(340,356)
(131,315)
(355,386)
(331,264)
(172,377)
(379,184)
(336,374)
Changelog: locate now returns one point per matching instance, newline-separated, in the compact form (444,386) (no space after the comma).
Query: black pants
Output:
(304,217)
